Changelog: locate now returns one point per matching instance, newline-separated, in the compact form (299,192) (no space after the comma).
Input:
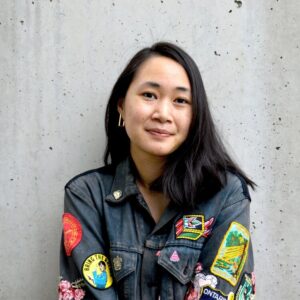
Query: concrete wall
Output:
(58,61)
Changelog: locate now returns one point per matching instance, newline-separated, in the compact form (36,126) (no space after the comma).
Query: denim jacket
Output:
(112,248)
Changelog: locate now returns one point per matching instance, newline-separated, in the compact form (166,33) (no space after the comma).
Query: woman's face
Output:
(101,267)
(157,109)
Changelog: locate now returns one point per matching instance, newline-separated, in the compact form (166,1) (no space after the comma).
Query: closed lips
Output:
(159,131)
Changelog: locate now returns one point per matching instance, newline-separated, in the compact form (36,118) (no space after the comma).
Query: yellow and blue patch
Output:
(96,271)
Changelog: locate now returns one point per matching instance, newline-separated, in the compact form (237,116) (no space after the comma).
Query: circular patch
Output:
(72,232)
(97,272)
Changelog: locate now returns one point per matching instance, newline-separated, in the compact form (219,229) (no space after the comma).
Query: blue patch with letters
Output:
(213,294)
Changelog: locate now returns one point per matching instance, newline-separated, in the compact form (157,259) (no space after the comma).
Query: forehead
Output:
(162,69)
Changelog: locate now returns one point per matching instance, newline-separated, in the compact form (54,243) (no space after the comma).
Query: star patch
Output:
(214,294)
(72,232)
(190,227)
(246,290)
(232,254)
(97,272)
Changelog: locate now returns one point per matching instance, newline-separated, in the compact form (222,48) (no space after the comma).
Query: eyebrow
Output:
(157,85)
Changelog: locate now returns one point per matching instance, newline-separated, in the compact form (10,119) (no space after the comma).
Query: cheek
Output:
(135,115)
(186,124)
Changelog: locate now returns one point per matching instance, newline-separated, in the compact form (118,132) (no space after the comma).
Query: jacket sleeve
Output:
(225,268)
(85,271)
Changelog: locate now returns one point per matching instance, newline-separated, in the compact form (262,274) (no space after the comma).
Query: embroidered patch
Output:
(208,227)
(199,281)
(97,272)
(203,280)
(214,294)
(117,263)
(190,227)
(246,288)
(67,290)
(175,257)
(72,232)
(232,254)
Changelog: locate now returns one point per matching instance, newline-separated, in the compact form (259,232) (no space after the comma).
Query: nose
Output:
(162,111)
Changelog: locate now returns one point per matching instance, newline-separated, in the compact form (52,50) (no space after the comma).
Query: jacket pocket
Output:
(179,261)
(123,263)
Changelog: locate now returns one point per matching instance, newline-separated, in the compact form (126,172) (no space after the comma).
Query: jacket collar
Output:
(123,184)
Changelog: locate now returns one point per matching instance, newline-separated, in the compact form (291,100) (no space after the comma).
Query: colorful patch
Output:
(190,227)
(232,254)
(97,272)
(175,257)
(214,294)
(200,281)
(72,232)
(246,289)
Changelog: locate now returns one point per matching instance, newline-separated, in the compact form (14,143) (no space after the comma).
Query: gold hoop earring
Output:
(121,122)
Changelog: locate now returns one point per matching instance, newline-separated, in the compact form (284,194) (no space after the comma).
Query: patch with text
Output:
(96,271)
(72,232)
(214,294)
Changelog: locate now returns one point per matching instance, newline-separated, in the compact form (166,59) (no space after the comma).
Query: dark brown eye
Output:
(149,95)
(181,101)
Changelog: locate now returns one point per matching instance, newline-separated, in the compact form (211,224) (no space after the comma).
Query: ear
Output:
(120,106)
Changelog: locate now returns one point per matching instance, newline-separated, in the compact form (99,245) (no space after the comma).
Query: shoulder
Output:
(92,180)
(235,188)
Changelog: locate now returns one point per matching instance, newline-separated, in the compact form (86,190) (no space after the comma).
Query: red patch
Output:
(72,232)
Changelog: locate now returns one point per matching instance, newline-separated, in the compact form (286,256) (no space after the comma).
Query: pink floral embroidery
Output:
(79,294)
(66,291)
(64,286)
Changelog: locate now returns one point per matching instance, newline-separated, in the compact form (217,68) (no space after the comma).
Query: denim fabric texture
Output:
(147,259)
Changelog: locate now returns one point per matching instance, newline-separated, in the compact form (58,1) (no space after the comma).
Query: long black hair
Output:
(197,169)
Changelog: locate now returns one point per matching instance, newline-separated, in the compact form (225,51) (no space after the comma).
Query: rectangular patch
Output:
(232,254)
(190,227)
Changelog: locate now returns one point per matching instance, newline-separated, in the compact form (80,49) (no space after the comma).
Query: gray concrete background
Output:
(58,61)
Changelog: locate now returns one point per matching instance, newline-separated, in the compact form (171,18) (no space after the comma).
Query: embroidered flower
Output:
(68,295)
(79,294)
(64,286)
(68,291)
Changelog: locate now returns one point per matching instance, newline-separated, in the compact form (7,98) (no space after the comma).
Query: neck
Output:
(149,167)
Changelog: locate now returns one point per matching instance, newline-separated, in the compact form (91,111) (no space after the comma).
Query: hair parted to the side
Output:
(196,170)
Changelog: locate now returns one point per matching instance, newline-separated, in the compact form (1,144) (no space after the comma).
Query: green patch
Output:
(232,254)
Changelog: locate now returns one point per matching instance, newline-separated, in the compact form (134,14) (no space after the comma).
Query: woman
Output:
(169,213)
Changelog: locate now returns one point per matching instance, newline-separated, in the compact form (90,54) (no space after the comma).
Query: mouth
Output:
(159,132)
